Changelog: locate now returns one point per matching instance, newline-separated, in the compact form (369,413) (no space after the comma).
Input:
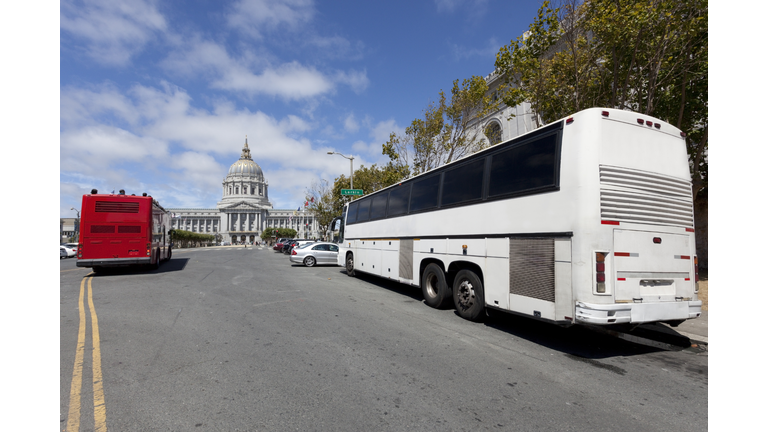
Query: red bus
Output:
(122,230)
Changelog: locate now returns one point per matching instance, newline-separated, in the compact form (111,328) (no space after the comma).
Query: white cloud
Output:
(290,80)
(254,17)
(351,124)
(113,31)
(93,148)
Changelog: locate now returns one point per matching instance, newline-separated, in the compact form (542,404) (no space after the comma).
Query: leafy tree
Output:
(190,239)
(446,132)
(321,203)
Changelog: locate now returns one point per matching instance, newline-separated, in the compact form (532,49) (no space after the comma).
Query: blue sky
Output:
(158,96)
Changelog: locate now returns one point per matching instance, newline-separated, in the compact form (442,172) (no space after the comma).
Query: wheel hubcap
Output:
(466,294)
(431,283)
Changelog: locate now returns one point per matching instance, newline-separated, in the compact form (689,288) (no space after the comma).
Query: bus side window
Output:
(424,193)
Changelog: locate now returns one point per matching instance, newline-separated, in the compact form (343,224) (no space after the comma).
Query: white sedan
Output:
(65,252)
(315,253)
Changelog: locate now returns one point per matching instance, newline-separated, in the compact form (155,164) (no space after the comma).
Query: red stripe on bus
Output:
(684,257)
(689,229)
(609,222)
(622,279)
(687,279)
(624,254)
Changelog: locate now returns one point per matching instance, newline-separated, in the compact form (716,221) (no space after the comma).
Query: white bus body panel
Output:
(600,158)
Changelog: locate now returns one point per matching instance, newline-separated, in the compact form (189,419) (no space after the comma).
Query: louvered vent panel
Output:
(102,229)
(636,196)
(406,259)
(128,229)
(116,207)
(532,268)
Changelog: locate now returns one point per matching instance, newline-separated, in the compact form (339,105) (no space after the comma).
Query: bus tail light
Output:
(600,271)
(79,250)
(149,249)
(696,273)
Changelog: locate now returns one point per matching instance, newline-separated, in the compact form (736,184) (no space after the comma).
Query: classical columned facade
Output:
(244,211)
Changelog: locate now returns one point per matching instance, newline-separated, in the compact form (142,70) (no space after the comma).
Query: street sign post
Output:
(351,191)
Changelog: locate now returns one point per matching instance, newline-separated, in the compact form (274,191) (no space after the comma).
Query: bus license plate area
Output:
(648,312)
(133,252)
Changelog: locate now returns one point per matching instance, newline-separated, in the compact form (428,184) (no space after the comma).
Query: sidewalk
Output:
(695,329)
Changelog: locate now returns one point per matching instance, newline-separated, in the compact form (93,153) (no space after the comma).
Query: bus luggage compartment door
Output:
(652,267)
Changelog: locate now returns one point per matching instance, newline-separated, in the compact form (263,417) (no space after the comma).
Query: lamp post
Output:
(77,224)
(351,158)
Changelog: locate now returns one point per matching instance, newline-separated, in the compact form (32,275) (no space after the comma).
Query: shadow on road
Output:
(173,265)
(578,342)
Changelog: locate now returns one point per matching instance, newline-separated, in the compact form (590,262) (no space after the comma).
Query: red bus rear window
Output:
(128,229)
(102,229)
(116,207)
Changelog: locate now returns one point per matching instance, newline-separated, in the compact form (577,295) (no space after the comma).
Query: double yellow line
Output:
(99,408)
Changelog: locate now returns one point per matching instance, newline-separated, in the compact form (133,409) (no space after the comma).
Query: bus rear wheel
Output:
(434,288)
(468,295)
(350,265)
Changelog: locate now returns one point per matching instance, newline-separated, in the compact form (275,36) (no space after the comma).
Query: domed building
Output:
(244,211)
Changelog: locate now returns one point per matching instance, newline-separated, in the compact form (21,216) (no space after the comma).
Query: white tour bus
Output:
(588,220)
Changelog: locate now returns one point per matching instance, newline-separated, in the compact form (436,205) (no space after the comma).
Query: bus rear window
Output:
(116,207)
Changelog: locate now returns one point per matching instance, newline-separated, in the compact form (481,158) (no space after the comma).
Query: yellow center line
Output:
(73,419)
(99,406)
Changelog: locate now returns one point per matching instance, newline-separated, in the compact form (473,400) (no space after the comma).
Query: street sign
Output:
(351,191)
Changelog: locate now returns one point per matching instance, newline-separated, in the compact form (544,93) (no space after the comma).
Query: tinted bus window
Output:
(398,200)
(464,183)
(352,217)
(424,193)
(524,167)
(379,206)
(362,211)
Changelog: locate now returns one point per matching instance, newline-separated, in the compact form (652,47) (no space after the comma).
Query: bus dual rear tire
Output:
(434,287)
(468,296)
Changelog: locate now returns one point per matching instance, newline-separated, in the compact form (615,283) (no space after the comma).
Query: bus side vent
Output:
(102,229)
(629,195)
(406,259)
(532,267)
(129,229)
(116,207)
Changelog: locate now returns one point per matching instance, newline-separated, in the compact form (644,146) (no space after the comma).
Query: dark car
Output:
(279,244)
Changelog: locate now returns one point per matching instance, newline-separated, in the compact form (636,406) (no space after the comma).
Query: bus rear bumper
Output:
(636,313)
(113,262)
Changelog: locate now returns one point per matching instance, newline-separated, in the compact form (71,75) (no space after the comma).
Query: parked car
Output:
(279,244)
(315,253)
(65,252)
(295,243)
(72,246)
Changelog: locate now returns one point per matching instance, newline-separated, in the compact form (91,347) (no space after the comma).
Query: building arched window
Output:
(493,133)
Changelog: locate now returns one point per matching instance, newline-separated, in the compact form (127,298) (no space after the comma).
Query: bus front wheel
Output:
(350,265)
(468,295)
(434,288)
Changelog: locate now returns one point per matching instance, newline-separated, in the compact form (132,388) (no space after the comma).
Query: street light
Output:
(350,166)
(77,224)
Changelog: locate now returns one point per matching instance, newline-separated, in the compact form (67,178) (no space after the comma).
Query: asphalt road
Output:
(235,339)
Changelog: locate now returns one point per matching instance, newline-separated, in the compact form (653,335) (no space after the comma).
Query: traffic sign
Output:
(351,191)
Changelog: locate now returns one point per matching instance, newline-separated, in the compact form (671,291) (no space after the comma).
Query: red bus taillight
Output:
(79,250)
(149,249)
(600,271)
(696,273)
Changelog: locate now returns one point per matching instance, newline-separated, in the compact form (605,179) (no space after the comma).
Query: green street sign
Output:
(351,191)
